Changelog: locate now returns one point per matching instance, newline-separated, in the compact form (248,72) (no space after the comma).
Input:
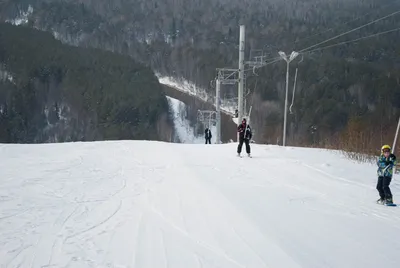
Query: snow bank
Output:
(190,88)
(23,17)
(5,75)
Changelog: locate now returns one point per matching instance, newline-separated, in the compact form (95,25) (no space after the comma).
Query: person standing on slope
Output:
(244,136)
(386,162)
(207,135)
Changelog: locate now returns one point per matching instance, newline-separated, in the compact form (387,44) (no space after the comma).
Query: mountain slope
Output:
(152,204)
(55,92)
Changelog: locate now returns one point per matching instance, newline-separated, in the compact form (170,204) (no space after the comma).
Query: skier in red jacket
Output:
(244,136)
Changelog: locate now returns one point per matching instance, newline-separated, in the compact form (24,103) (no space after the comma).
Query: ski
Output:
(388,205)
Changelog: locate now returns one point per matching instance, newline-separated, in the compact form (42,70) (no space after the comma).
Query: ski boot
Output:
(380,201)
(249,155)
(389,201)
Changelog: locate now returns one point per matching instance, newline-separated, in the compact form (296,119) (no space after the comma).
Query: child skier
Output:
(385,162)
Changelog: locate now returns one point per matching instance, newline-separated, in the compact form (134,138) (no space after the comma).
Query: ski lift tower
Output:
(207,117)
(225,76)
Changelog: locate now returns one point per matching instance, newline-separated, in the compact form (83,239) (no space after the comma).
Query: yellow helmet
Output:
(386,147)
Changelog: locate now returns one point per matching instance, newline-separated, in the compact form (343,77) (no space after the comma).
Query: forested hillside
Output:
(347,95)
(54,92)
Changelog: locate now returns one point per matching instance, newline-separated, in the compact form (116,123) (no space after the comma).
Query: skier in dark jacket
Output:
(386,162)
(207,135)
(244,136)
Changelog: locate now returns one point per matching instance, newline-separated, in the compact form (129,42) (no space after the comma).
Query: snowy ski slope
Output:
(151,204)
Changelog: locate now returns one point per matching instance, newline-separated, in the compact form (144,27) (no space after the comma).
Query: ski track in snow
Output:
(152,204)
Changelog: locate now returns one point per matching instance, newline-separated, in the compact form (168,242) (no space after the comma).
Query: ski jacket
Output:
(207,134)
(385,165)
(244,131)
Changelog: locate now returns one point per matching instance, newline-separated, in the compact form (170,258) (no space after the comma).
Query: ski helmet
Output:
(385,148)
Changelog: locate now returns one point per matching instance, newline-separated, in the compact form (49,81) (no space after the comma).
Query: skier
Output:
(244,136)
(386,162)
(207,135)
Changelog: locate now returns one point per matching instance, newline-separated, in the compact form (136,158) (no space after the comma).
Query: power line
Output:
(354,40)
(266,64)
(342,24)
(330,29)
(276,59)
(255,86)
(334,45)
(353,30)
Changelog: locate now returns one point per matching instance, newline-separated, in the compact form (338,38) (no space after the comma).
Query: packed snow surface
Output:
(152,204)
